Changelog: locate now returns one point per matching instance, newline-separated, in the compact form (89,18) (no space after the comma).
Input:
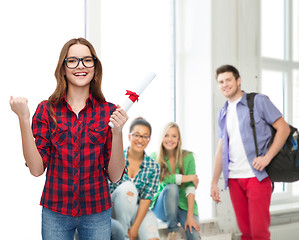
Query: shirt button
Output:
(74,212)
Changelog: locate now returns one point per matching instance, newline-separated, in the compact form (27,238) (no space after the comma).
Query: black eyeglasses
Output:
(138,136)
(73,62)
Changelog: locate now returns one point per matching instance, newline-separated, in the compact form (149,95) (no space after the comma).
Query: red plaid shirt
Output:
(76,154)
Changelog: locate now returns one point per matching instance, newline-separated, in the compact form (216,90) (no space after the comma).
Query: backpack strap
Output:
(250,103)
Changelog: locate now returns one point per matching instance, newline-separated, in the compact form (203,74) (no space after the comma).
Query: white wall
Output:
(235,38)
(193,76)
(32,35)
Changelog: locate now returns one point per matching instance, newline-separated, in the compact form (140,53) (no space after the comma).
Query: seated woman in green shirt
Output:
(175,201)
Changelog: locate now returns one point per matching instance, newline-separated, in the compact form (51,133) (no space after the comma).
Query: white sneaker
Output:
(172,236)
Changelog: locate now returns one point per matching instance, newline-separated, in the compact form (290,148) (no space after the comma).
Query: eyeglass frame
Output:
(145,138)
(80,60)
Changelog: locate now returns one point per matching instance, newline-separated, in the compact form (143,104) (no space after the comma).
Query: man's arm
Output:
(217,172)
(282,133)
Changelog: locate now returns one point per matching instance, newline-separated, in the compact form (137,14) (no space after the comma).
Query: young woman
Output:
(133,194)
(77,147)
(175,201)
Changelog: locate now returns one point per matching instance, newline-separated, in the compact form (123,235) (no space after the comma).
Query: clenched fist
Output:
(20,106)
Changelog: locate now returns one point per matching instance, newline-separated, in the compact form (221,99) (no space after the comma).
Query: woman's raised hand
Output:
(20,106)
(119,117)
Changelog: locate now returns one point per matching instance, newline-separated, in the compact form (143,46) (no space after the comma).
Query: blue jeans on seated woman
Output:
(125,208)
(167,209)
(117,230)
(90,227)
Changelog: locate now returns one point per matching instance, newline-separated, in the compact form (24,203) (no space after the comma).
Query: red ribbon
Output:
(132,95)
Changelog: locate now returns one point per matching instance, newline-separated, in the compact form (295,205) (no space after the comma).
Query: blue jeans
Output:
(167,209)
(90,227)
(117,230)
(125,208)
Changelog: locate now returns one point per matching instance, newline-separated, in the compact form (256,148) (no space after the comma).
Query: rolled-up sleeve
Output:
(41,133)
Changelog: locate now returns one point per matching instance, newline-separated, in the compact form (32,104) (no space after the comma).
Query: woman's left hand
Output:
(119,117)
(191,223)
(195,181)
(133,232)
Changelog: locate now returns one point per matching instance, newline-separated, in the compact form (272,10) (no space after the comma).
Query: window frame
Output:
(287,67)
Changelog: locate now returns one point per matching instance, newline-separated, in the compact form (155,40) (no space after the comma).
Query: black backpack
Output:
(284,167)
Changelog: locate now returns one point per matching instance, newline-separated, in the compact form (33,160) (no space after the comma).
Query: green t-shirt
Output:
(189,169)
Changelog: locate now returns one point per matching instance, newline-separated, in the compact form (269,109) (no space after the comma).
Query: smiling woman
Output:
(77,72)
(76,191)
(133,194)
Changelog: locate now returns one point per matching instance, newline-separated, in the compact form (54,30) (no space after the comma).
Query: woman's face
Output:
(139,138)
(79,76)
(171,139)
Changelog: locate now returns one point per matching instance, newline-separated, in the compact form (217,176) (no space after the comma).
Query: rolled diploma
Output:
(142,85)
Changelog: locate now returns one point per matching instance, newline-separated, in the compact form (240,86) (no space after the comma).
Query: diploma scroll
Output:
(133,96)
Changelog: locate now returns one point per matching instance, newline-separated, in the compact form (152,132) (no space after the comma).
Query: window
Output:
(295,30)
(280,67)
(136,38)
(274,35)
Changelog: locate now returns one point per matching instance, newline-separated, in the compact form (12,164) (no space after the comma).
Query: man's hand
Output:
(260,163)
(215,193)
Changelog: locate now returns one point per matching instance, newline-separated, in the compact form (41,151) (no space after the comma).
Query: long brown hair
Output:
(62,86)
(178,152)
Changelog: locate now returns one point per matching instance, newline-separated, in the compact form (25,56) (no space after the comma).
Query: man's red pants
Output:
(251,202)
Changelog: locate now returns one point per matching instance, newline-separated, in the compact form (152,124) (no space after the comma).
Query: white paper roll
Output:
(139,89)
(146,81)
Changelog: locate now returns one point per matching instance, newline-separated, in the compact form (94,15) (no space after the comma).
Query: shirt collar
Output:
(64,97)
(243,99)
(169,166)
(143,163)
(90,99)
(224,109)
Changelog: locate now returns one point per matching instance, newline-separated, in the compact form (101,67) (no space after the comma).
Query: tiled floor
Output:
(220,236)
(224,236)
(208,232)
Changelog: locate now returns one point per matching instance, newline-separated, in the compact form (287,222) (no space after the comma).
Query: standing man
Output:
(244,173)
